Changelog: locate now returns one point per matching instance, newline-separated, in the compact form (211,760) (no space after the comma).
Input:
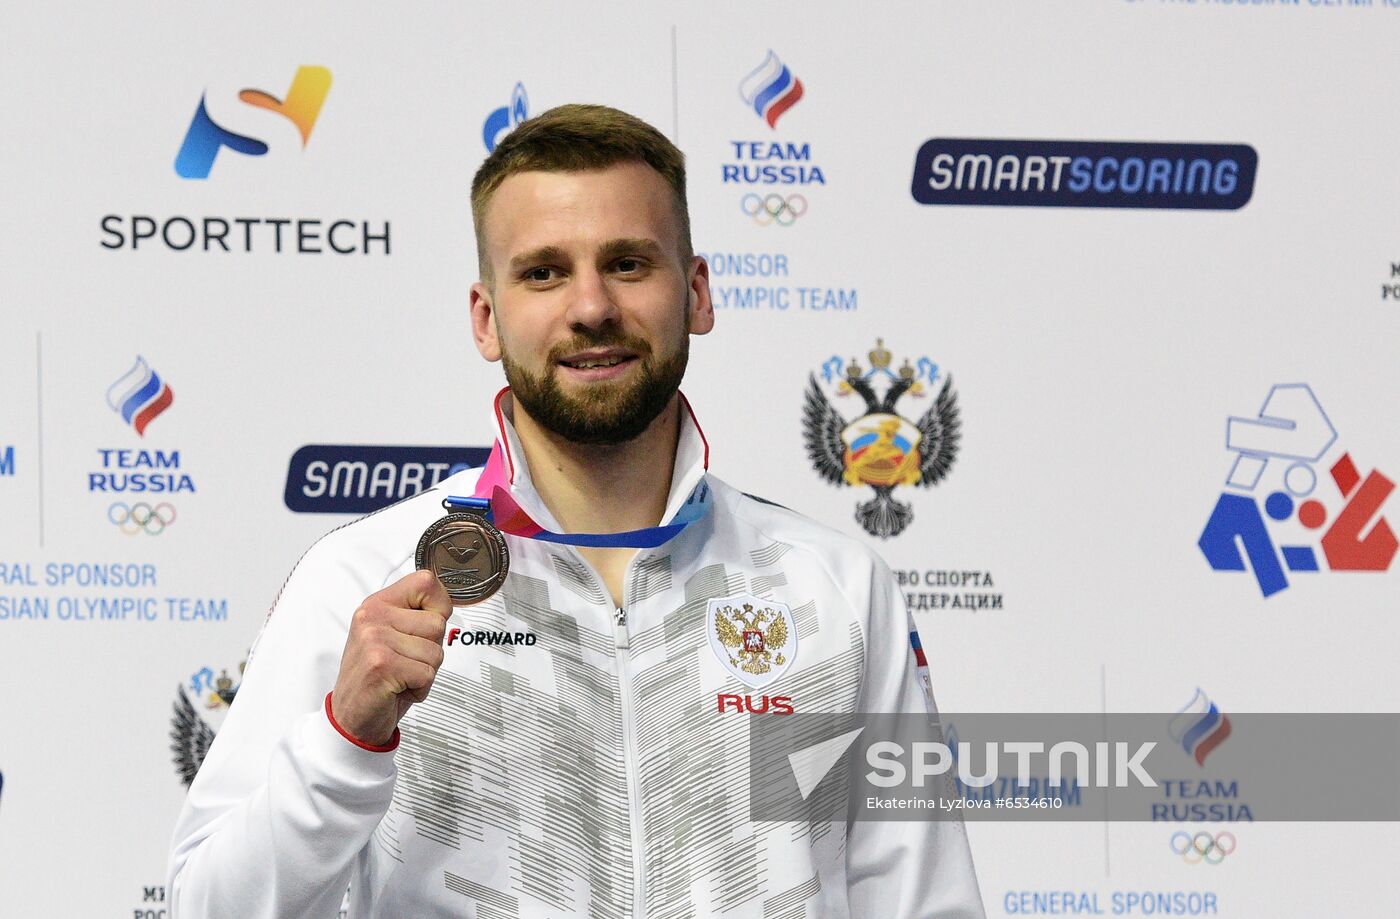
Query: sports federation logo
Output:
(1199,727)
(506,118)
(140,396)
(1276,455)
(754,639)
(199,711)
(770,89)
(204,139)
(881,448)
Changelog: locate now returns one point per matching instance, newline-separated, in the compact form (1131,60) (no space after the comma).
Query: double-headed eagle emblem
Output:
(752,648)
(191,731)
(880,448)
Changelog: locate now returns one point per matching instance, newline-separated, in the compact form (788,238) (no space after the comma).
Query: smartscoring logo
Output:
(1067,173)
(358,479)
(1276,455)
(204,138)
(506,118)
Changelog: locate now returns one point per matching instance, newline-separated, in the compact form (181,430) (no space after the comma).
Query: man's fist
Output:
(391,656)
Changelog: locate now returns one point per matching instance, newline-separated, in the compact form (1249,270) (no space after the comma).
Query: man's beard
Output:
(607,413)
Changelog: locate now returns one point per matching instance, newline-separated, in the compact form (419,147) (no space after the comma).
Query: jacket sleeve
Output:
(283,803)
(907,869)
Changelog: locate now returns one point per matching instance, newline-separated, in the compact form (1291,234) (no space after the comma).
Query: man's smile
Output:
(598,363)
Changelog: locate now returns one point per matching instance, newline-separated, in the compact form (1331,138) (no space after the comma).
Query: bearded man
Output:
(555,721)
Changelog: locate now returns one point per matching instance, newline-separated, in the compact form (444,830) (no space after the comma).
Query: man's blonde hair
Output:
(578,138)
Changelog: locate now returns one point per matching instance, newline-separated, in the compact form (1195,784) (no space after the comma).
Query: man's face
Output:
(591,303)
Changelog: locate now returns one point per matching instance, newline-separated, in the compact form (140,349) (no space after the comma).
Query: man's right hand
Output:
(391,656)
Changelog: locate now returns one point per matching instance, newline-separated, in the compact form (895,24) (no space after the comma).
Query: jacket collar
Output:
(692,461)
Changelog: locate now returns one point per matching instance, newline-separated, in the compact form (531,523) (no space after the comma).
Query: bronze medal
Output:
(468,555)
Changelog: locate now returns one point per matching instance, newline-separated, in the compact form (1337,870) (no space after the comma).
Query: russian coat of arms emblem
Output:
(754,639)
(200,708)
(881,448)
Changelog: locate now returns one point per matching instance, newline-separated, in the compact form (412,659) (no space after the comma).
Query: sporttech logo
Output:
(301,107)
(1276,453)
(770,89)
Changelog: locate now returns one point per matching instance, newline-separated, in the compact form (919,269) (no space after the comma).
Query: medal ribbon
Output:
(493,495)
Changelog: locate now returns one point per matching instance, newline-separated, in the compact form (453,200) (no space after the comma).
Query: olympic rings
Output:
(1203,847)
(773,208)
(141,517)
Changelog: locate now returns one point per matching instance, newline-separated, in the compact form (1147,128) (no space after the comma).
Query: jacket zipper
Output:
(630,758)
(630,769)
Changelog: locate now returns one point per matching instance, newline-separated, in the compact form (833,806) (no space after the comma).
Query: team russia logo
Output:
(1275,490)
(765,166)
(881,448)
(770,89)
(140,396)
(1199,727)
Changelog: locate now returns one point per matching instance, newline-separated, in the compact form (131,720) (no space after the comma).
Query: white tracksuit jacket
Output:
(591,773)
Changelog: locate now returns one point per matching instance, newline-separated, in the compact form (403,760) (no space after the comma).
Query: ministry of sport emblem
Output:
(881,448)
(200,708)
(754,639)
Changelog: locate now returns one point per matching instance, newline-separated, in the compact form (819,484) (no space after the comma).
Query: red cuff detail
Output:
(390,747)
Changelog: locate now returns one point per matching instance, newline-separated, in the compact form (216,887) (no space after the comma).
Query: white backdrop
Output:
(1096,353)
